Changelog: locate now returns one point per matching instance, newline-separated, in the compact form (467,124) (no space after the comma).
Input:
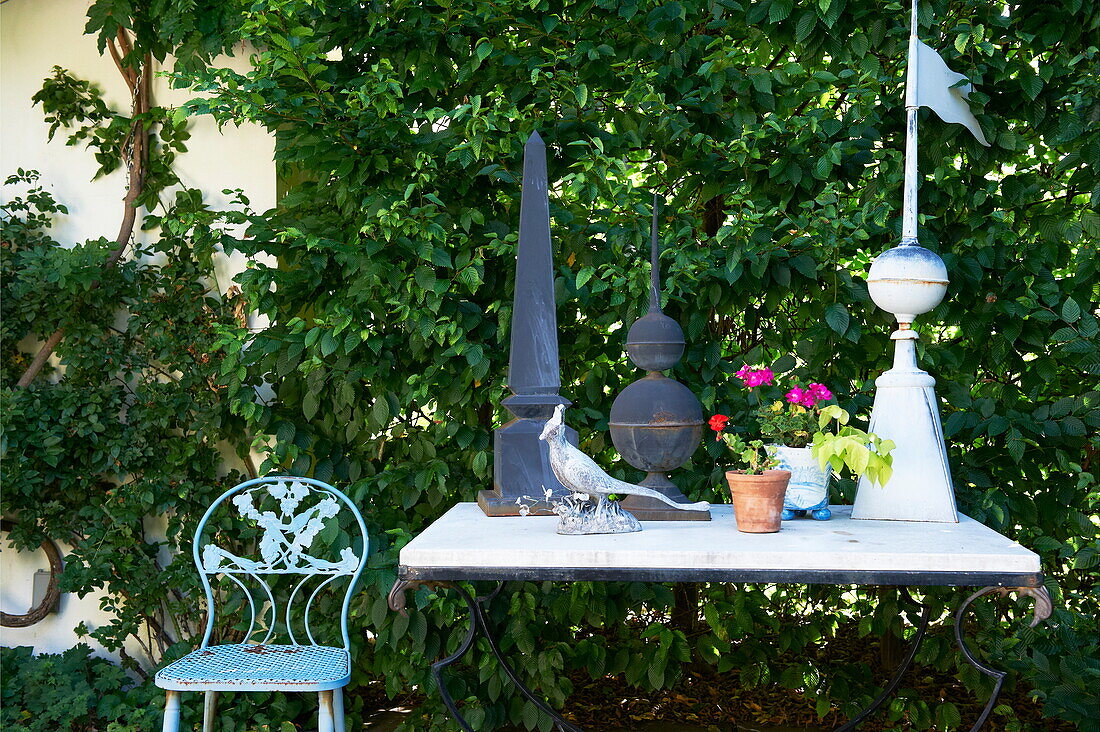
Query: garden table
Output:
(466,545)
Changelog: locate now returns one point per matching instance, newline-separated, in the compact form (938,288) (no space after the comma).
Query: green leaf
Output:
(1030,83)
(836,315)
(805,26)
(858,457)
(780,10)
(483,49)
(380,412)
(1073,427)
(1015,449)
(584,276)
(1063,335)
(310,404)
(948,716)
(1071,311)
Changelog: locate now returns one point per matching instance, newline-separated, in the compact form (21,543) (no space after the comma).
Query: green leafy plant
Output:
(776,132)
(787,424)
(862,453)
(72,692)
(803,420)
(130,423)
(754,455)
(790,423)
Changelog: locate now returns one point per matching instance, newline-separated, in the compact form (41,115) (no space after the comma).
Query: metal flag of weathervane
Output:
(907,281)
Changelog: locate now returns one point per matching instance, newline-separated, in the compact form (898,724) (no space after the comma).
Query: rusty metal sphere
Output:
(656,423)
(655,342)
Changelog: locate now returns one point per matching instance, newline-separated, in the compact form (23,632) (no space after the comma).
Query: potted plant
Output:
(798,428)
(757,489)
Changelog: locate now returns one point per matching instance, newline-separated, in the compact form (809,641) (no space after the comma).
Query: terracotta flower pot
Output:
(758,499)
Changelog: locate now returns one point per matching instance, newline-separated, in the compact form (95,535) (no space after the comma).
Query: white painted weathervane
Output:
(908,281)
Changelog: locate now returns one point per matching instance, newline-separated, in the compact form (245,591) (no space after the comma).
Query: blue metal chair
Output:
(288,515)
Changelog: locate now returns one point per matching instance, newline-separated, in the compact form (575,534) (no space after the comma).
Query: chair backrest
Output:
(294,519)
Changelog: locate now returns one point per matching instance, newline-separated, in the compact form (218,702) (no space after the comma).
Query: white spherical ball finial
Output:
(907,281)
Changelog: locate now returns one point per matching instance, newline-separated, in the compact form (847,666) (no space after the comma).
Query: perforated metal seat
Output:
(258,667)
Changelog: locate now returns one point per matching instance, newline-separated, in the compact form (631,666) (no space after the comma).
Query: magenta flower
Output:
(755,377)
(820,392)
(802,397)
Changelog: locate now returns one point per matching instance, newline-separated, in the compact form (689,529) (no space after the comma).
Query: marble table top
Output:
(465,544)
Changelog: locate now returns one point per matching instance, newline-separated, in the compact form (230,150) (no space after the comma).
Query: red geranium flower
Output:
(718,423)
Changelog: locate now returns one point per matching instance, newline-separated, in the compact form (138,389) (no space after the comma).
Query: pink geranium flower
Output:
(756,377)
(820,392)
(802,397)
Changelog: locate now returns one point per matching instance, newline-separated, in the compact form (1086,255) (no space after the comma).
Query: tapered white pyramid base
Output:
(906,412)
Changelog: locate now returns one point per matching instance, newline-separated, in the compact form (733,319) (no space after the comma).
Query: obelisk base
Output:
(521,470)
(906,411)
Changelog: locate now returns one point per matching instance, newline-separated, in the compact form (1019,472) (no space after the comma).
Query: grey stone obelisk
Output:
(521,462)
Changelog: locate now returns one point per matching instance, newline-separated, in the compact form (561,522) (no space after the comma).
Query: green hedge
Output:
(775,132)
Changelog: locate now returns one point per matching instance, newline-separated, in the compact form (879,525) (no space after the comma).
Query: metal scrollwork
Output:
(287,535)
(1043,609)
(292,515)
(479,623)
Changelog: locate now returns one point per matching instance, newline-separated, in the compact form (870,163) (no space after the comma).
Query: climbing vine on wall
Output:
(113,416)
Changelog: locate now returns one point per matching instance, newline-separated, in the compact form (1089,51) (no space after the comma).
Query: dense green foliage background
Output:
(775,133)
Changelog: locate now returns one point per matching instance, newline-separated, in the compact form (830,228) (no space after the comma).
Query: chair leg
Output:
(171,712)
(338,710)
(209,711)
(324,712)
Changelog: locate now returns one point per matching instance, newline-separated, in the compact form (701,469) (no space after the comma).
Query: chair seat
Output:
(255,667)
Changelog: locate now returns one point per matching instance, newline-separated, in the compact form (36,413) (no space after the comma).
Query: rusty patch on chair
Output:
(262,650)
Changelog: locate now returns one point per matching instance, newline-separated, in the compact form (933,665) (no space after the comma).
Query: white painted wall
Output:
(35,36)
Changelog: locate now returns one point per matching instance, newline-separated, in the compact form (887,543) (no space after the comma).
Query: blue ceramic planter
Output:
(808,490)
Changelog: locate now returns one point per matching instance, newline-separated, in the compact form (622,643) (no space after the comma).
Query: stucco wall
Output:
(35,36)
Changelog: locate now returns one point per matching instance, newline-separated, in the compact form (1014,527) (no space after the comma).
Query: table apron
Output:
(764,576)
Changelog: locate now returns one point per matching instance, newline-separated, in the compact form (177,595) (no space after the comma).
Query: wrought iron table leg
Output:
(546,709)
(898,674)
(396,602)
(1043,608)
(478,622)
(438,666)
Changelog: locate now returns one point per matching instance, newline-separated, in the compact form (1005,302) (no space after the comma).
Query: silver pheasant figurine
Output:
(580,474)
